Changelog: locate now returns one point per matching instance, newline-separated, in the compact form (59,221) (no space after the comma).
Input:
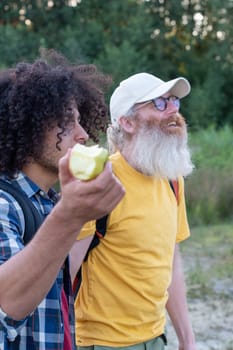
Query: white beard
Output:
(160,154)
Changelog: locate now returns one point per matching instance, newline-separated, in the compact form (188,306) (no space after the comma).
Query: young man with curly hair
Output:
(135,273)
(45,108)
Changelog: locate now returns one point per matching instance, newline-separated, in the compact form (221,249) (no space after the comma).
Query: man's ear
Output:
(127,124)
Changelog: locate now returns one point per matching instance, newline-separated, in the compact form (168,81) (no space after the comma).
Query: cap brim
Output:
(179,87)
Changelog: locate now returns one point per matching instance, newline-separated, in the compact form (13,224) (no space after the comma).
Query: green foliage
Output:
(209,192)
(167,38)
(12,45)
(213,149)
(202,99)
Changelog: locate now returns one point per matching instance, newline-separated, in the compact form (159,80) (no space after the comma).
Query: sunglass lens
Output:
(176,102)
(160,103)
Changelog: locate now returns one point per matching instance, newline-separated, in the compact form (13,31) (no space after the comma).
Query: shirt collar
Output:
(31,188)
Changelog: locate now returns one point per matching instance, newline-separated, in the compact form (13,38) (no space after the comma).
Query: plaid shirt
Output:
(43,329)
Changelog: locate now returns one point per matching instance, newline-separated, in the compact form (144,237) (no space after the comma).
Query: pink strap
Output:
(65,313)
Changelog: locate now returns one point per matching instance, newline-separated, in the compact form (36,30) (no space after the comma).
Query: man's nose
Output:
(81,136)
(172,107)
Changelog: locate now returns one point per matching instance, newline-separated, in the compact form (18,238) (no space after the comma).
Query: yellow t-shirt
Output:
(125,279)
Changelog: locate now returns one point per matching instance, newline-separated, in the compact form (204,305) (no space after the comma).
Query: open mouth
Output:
(173,124)
(176,121)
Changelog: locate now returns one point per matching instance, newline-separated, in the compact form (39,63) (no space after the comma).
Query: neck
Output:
(42,177)
(127,151)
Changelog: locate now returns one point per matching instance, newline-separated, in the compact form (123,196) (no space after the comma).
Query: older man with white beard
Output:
(135,273)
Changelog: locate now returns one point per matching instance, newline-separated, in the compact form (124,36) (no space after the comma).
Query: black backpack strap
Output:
(100,231)
(33,218)
(101,228)
(101,225)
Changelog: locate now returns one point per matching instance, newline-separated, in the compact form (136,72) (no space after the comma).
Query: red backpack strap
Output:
(175,188)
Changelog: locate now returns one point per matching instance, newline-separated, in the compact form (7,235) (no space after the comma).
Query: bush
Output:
(209,194)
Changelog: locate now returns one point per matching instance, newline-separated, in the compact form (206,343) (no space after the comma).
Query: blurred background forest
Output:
(190,38)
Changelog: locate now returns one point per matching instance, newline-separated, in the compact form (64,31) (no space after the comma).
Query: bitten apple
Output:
(86,162)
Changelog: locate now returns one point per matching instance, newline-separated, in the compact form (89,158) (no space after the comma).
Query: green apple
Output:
(86,162)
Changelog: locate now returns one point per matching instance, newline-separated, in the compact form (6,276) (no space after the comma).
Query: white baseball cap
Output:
(143,87)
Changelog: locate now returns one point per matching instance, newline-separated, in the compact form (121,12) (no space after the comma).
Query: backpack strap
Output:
(100,231)
(33,218)
(174,184)
(101,225)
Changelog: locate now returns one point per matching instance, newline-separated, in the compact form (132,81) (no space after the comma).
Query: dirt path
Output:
(208,267)
(212,322)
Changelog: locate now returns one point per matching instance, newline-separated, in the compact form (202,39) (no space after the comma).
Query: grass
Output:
(208,260)
(209,195)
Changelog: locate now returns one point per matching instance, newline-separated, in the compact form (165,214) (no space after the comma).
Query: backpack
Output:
(101,228)
(33,218)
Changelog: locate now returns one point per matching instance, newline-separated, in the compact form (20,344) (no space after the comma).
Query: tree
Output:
(190,38)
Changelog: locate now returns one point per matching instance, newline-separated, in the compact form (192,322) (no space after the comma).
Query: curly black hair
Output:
(34,98)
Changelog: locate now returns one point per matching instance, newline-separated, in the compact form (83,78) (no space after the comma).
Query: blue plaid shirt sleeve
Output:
(43,329)
(9,327)
(11,227)
(11,232)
